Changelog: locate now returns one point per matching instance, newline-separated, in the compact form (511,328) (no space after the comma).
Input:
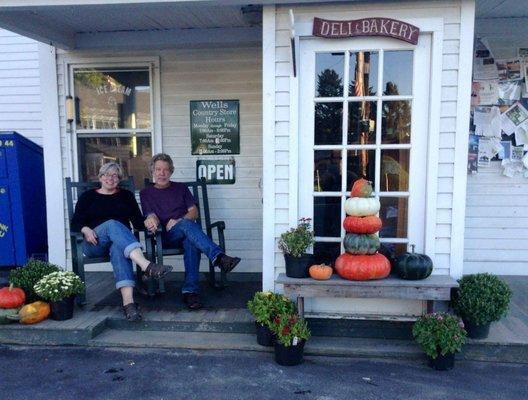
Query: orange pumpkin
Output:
(361,188)
(11,297)
(362,267)
(321,272)
(362,225)
(34,312)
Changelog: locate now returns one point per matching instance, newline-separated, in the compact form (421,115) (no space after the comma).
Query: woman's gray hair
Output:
(162,157)
(111,166)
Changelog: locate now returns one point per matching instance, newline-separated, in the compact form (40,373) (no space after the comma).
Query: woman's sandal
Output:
(132,312)
(157,271)
(192,300)
(227,263)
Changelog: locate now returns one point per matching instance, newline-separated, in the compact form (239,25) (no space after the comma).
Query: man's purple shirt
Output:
(173,201)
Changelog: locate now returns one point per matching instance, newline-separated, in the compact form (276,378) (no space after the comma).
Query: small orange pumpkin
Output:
(321,272)
(361,188)
(34,312)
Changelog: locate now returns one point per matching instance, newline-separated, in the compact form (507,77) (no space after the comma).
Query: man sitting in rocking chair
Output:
(171,205)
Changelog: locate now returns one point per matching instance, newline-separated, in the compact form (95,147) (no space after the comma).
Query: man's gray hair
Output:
(162,157)
(111,166)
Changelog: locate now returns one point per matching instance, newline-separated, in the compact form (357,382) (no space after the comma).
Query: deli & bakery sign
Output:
(386,27)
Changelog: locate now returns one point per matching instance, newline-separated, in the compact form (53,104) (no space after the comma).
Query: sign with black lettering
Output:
(387,27)
(215,127)
(216,172)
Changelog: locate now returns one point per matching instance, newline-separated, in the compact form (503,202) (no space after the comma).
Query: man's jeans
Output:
(115,238)
(189,235)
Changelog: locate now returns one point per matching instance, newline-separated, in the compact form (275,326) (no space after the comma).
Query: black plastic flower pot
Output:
(289,355)
(63,309)
(442,363)
(475,331)
(265,337)
(297,267)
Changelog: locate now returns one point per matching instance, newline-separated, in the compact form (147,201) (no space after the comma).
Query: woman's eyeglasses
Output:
(114,177)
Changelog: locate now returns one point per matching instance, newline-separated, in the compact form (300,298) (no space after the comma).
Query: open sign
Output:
(216,172)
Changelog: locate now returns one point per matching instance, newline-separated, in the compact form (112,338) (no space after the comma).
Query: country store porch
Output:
(226,328)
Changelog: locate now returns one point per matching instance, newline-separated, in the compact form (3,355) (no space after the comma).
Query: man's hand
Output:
(171,223)
(89,235)
(151,223)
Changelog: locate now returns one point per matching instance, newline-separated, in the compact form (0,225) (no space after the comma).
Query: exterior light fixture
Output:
(70,110)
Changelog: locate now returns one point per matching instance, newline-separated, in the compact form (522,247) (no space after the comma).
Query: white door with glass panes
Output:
(113,119)
(364,113)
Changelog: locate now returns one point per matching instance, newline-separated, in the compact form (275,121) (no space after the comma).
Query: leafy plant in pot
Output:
(27,276)
(480,300)
(294,243)
(440,335)
(264,306)
(59,289)
(291,333)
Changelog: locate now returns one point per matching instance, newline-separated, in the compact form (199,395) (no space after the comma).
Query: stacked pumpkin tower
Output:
(361,260)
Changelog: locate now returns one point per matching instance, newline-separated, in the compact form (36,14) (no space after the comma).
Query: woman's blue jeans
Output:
(115,239)
(189,235)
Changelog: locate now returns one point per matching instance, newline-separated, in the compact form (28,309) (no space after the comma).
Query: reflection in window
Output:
(325,252)
(112,99)
(329,68)
(327,216)
(397,72)
(395,170)
(328,123)
(396,122)
(362,122)
(327,170)
(393,213)
(132,153)
(363,72)
(361,164)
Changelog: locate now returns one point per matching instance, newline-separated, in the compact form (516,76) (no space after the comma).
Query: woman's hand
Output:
(151,223)
(89,235)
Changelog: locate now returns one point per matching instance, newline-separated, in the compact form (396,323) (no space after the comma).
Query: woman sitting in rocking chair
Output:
(103,216)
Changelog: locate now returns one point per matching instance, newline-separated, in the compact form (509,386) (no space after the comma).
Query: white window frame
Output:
(152,63)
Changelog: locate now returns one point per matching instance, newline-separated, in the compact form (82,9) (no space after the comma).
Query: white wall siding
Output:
(20,104)
(199,74)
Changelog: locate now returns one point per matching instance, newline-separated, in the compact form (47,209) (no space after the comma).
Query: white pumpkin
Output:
(361,207)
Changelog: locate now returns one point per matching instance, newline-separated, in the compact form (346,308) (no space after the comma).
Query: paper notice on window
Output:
(487,93)
(509,70)
(514,118)
(487,121)
(485,69)
(485,152)
(509,92)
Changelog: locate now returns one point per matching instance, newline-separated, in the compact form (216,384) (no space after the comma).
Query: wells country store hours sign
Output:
(215,127)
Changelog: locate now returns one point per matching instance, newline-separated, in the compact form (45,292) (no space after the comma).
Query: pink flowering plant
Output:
(439,333)
(296,241)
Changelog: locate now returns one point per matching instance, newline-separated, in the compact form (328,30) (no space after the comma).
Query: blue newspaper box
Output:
(23,231)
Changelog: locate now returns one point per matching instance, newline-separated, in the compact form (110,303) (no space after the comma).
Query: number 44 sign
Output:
(216,172)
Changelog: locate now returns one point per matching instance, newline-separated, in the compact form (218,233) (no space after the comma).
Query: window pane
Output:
(112,99)
(396,122)
(133,153)
(363,72)
(395,170)
(327,170)
(392,250)
(361,163)
(362,122)
(328,123)
(326,252)
(327,216)
(393,214)
(329,68)
(397,72)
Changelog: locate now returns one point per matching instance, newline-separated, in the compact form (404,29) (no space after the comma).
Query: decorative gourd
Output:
(360,207)
(361,244)
(364,225)
(413,266)
(34,312)
(6,313)
(361,188)
(11,297)
(320,272)
(362,268)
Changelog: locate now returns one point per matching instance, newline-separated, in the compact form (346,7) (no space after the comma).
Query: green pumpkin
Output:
(5,313)
(413,266)
(361,244)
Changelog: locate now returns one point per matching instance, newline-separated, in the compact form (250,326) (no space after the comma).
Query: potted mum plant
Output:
(59,289)
(480,300)
(440,335)
(294,243)
(26,277)
(264,306)
(291,333)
